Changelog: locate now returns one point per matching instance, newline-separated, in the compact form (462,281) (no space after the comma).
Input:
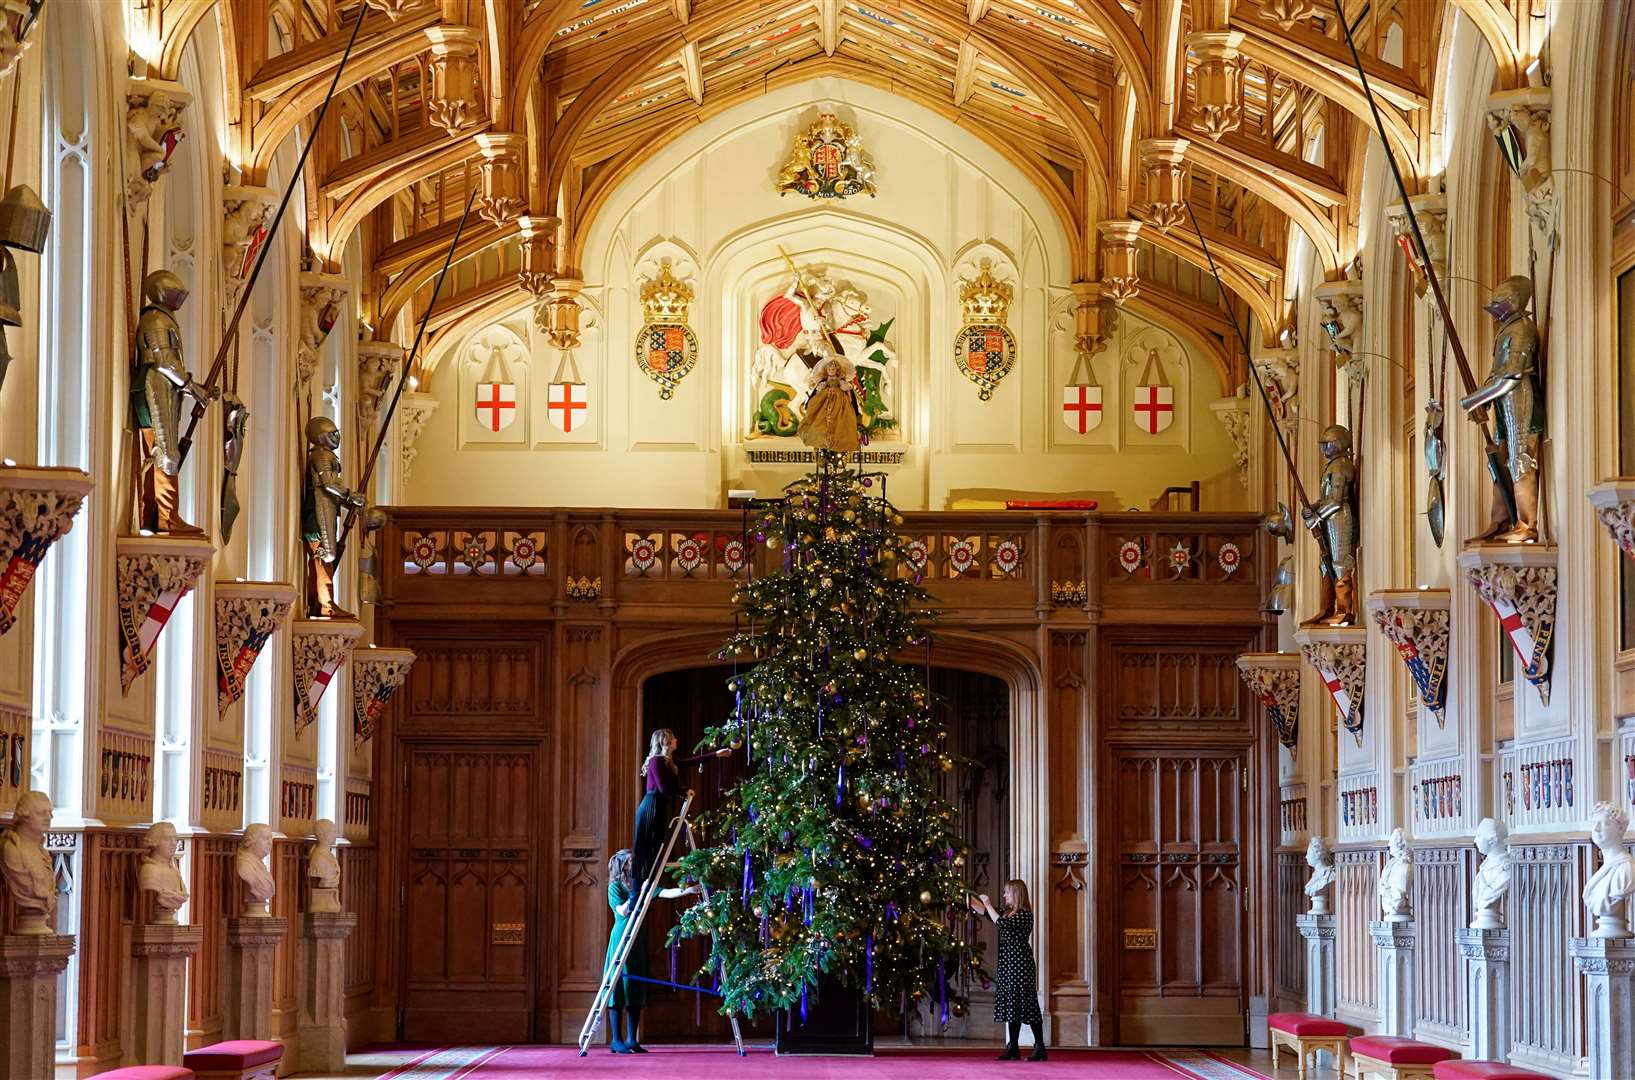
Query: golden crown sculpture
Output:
(666,298)
(985,299)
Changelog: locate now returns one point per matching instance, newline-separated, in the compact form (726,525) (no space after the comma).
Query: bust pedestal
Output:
(160,1001)
(1487,991)
(321,975)
(29,966)
(247,984)
(1608,967)
(1318,930)
(1395,942)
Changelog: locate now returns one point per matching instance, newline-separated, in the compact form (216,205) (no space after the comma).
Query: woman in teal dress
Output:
(629,995)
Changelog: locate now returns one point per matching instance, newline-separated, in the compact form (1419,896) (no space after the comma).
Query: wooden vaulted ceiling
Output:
(541,107)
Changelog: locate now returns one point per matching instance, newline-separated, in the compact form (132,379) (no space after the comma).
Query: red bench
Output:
(147,1072)
(1392,1058)
(238,1059)
(1483,1070)
(1307,1033)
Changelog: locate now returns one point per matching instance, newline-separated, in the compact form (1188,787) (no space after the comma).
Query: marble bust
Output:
(1492,877)
(1607,893)
(1321,861)
(27,867)
(324,870)
(1396,887)
(160,876)
(251,864)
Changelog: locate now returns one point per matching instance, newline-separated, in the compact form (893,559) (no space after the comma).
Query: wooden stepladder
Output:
(649,890)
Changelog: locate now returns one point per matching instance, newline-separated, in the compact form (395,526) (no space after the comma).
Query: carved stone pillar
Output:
(1318,933)
(1339,655)
(321,646)
(1487,990)
(378,364)
(153,128)
(455,101)
(1614,502)
(37,506)
(377,674)
(247,981)
(1395,942)
(1217,81)
(1416,622)
(538,254)
(321,977)
(1164,163)
(1608,967)
(1518,581)
(245,213)
(1520,120)
(29,966)
(152,574)
(503,175)
(412,412)
(160,1000)
(1120,270)
(321,298)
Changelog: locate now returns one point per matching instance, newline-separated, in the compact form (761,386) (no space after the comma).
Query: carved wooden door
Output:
(1179,897)
(468,905)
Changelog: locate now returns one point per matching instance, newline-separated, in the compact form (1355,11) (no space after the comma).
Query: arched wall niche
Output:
(708,202)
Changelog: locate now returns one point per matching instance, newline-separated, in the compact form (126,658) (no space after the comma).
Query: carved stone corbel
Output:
(153,574)
(412,412)
(245,212)
(503,175)
(1275,680)
(37,506)
(1217,81)
(376,676)
(1090,330)
(1431,211)
(321,646)
(1614,502)
(1518,581)
(1237,417)
(538,255)
(455,102)
(1164,162)
(17,22)
(1416,622)
(247,614)
(1288,14)
(1520,120)
(378,363)
(1120,269)
(1339,655)
(153,128)
(558,315)
(1279,371)
(1340,312)
(321,298)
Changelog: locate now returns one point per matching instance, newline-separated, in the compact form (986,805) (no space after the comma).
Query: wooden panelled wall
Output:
(507,766)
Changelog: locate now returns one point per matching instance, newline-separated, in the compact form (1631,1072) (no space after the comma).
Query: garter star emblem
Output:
(984,350)
(666,348)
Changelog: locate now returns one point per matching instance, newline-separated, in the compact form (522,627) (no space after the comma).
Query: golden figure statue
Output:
(1335,514)
(159,379)
(323,496)
(1517,399)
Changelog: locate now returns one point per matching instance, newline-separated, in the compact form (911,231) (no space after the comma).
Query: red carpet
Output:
(717,1063)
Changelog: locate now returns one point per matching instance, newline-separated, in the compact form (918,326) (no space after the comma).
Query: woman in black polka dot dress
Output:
(1016,988)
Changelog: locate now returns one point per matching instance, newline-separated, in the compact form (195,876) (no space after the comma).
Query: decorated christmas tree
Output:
(836,854)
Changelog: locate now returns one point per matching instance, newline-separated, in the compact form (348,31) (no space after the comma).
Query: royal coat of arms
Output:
(984,350)
(666,348)
(827,162)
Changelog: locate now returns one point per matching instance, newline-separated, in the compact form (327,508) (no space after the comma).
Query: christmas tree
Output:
(836,854)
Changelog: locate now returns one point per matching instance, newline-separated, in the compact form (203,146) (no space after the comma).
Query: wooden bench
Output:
(1307,1033)
(239,1059)
(147,1072)
(1483,1070)
(1392,1058)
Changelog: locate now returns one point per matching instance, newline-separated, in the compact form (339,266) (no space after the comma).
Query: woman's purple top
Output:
(663,776)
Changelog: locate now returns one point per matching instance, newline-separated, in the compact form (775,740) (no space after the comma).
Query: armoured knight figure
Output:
(1336,515)
(1513,390)
(323,497)
(236,424)
(159,378)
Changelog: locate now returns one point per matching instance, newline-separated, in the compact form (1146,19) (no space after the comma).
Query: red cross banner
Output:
(137,638)
(1081,407)
(496,405)
(1154,408)
(566,404)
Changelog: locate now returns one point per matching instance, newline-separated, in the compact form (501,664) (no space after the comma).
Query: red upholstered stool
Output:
(1396,1059)
(147,1072)
(1483,1070)
(1307,1033)
(240,1059)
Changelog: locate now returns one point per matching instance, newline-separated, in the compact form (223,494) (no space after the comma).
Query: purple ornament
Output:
(942,990)
(868,964)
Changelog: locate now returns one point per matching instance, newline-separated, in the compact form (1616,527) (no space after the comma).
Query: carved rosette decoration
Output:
(666,348)
(247,614)
(153,130)
(321,298)
(37,506)
(245,214)
(1520,121)
(1339,655)
(412,413)
(1288,14)
(321,646)
(1614,503)
(501,201)
(538,258)
(1340,313)
(455,101)
(827,161)
(1164,163)
(154,573)
(1275,680)
(1416,621)
(1217,81)
(1236,416)
(1518,581)
(1120,270)
(984,349)
(1432,213)
(376,676)
(378,362)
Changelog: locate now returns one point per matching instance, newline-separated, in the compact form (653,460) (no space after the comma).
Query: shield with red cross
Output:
(566,405)
(496,405)
(1153,407)
(1081,407)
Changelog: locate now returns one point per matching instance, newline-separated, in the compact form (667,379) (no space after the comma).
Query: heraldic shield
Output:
(666,352)
(985,354)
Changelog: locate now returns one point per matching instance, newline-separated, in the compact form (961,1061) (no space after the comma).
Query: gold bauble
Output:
(925,896)
(860,654)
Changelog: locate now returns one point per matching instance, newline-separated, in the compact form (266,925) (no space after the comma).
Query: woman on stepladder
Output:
(661,801)
(1016,988)
(629,994)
